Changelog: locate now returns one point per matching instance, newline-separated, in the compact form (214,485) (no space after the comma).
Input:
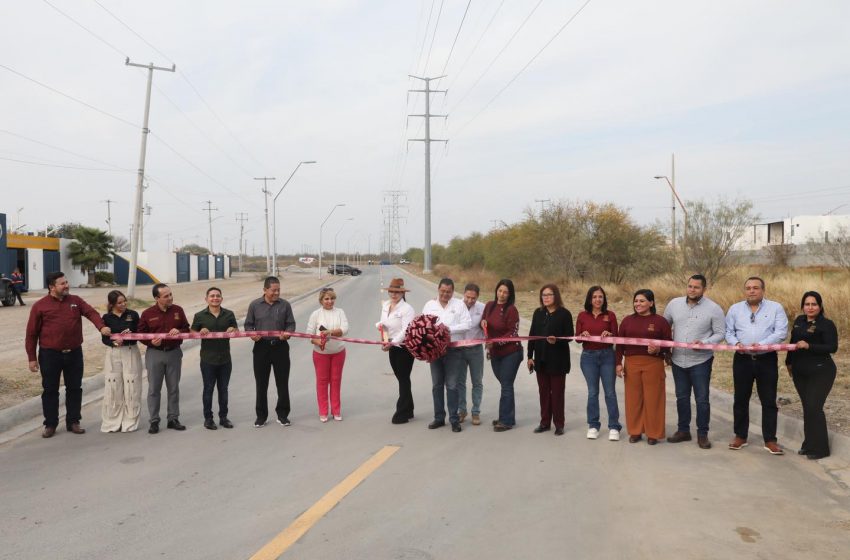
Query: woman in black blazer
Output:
(813,371)
(550,356)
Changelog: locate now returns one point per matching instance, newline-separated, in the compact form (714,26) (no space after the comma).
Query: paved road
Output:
(477,494)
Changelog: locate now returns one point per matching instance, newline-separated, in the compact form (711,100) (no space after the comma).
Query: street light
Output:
(320,236)
(274,215)
(335,238)
(684,211)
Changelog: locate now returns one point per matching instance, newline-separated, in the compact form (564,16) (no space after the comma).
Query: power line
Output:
(452,49)
(34,141)
(433,36)
(499,54)
(527,64)
(185,78)
(87,30)
(72,98)
(198,169)
(62,166)
(475,48)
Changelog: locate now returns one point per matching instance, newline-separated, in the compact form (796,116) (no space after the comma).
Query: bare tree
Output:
(833,250)
(712,232)
(121,244)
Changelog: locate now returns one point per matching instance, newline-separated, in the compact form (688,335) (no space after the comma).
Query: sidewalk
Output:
(26,414)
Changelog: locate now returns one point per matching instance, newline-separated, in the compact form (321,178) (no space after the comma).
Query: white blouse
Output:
(331,320)
(395,323)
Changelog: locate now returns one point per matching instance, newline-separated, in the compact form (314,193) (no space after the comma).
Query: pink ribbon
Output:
(472,342)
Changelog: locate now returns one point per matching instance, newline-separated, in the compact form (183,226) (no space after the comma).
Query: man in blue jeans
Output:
(473,357)
(694,319)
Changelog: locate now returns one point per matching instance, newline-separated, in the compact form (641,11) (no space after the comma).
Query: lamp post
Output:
(336,237)
(684,212)
(320,236)
(274,214)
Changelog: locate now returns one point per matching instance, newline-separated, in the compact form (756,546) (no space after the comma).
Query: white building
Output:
(797,230)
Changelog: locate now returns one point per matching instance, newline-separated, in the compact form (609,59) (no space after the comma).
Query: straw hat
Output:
(397,285)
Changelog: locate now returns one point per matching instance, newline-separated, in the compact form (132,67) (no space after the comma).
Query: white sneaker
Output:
(592,433)
(614,435)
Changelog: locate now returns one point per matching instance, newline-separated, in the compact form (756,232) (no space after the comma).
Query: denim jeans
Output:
(598,365)
(697,377)
(215,376)
(444,375)
(505,369)
(473,356)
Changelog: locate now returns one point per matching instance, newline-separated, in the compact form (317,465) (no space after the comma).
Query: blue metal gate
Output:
(203,267)
(183,267)
(51,263)
(219,266)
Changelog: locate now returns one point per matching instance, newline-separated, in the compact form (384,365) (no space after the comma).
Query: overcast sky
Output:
(751,96)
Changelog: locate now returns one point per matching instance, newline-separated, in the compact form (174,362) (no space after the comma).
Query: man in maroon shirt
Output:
(163,358)
(55,326)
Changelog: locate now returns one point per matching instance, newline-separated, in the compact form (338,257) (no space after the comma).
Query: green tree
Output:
(194,248)
(90,248)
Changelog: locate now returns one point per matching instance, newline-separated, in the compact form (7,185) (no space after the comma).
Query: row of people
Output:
(692,318)
(55,328)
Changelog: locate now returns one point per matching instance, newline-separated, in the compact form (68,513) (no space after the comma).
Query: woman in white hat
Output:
(396,313)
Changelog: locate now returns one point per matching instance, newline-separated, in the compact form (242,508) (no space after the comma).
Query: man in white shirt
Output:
(473,357)
(446,371)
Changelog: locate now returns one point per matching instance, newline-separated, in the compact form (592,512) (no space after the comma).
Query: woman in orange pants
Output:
(644,369)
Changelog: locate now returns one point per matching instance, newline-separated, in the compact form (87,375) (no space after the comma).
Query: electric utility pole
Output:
(241,218)
(137,210)
(266,194)
(542,202)
(209,209)
(109,214)
(427,140)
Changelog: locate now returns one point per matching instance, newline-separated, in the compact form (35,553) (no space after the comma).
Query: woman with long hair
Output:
(550,357)
(122,369)
(328,354)
(396,314)
(501,320)
(643,370)
(813,371)
(597,362)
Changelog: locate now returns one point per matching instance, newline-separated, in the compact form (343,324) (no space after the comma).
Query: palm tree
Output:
(91,248)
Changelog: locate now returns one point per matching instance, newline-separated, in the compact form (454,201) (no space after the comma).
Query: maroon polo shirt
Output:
(502,322)
(155,320)
(643,326)
(57,324)
(596,326)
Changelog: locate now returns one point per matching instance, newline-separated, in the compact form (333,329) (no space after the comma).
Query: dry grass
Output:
(785,286)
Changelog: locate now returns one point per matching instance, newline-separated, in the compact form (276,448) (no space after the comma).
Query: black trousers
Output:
(215,375)
(69,365)
(270,354)
(813,384)
(402,363)
(763,371)
(20,299)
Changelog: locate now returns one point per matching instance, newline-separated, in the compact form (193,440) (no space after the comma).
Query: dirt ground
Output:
(837,407)
(17,383)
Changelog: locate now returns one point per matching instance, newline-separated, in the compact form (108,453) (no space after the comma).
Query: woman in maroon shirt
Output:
(644,369)
(597,362)
(501,319)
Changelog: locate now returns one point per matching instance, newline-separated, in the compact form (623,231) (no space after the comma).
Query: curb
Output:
(20,419)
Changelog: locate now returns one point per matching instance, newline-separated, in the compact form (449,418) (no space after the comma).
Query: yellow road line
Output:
(306,520)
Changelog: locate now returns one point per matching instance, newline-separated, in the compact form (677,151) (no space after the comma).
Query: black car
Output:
(344,269)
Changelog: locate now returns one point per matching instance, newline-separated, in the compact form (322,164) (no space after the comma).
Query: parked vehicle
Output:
(403,261)
(344,269)
(7,292)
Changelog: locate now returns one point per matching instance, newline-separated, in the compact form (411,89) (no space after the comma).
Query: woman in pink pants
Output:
(328,355)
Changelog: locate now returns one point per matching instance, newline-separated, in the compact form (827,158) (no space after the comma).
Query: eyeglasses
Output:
(752,317)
